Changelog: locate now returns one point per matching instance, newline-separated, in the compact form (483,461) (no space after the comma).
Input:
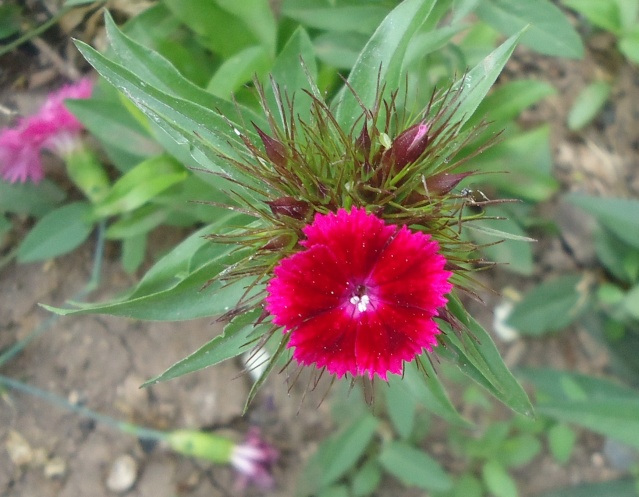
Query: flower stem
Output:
(132,429)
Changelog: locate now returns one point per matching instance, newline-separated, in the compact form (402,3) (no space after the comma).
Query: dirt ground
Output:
(100,362)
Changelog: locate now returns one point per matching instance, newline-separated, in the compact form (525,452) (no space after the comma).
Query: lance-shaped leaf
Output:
(234,341)
(476,355)
(382,56)
(174,288)
(154,70)
(477,82)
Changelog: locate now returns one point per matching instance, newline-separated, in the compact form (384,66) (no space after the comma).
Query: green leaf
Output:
(185,296)
(401,407)
(495,233)
(605,15)
(57,233)
(291,76)
(124,140)
(382,58)
(136,223)
(621,259)
(231,343)
(616,418)
(257,16)
(29,198)
(133,252)
(340,18)
(154,70)
(477,82)
(178,263)
(527,158)
(467,486)
(239,70)
(498,481)
(631,302)
(561,441)
(629,44)
(426,388)
(140,185)
(219,30)
(339,453)
(588,104)
(515,251)
(475,354)
(414,467)
(621,216)
(366,479)
(334,491)
(551,306)
(507,101)
(5,225)
(9,20)
(339,50)
(549,31)
(519,450)
(563,385)
(424,43)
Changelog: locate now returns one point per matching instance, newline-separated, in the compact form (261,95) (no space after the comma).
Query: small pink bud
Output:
(289,206)
(409,145)
(275,150)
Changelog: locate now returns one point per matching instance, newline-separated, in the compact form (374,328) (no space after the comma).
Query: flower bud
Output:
(363,142)
(291,207)
(409,145)
(443,183)
(202,445)
(275,150)
(279,242)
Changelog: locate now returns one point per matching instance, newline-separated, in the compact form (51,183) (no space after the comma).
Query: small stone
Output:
(123,474)
(55,468)
(18,449)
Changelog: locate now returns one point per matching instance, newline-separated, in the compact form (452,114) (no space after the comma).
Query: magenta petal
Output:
(361,297)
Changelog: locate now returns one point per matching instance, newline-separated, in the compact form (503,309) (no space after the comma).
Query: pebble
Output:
(123,474)
(55,468)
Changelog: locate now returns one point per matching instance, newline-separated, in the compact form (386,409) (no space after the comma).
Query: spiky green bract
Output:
(402,169)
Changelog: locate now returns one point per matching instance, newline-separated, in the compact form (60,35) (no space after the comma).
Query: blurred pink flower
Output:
(254,460)
(53,128)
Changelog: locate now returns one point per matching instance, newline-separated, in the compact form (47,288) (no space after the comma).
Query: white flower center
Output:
(361,302)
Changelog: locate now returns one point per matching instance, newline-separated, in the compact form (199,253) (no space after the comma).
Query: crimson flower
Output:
(53,128)
(361,297)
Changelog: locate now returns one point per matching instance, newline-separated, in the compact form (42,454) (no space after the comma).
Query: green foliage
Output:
(28,198)
(498,481)
(413,467)
(338,454)
(588,104)
(551,306)
(57,233)
(599,405)
(620,17)
(547,29)
(561,441)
